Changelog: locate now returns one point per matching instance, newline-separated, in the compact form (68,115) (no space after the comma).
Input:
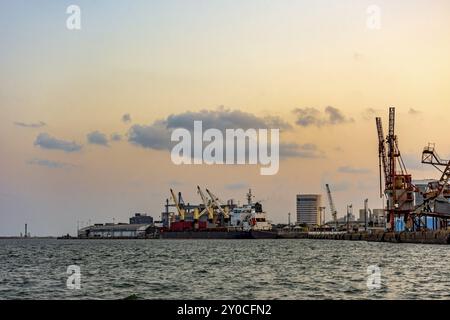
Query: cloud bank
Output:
(223,118)
(157,135)
(39,124)
(116,137)
(413,112)
(307,117)
(236,186)
(353,170)
(45,141)
(49,163)
(97,138)
(295,150)
(126,118)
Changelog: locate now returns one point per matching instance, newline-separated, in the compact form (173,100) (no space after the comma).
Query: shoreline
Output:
(419,237)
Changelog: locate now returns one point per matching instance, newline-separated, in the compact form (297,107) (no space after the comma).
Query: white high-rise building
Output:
(308,209)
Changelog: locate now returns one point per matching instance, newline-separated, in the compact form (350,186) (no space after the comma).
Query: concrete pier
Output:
(425,237)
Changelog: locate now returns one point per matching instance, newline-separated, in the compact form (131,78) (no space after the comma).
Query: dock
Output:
(422,237)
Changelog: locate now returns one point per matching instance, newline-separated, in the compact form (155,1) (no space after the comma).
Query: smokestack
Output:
(26,230)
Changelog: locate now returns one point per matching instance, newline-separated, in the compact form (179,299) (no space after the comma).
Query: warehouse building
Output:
(140,226)
(110,230)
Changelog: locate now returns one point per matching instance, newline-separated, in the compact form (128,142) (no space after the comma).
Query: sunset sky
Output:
(85,115)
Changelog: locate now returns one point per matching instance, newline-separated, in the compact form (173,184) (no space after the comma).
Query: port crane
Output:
(208,209)
(220,205)
(382,157)
(440,188)
(332,207)
(436,196)
(398,187)
(180,207)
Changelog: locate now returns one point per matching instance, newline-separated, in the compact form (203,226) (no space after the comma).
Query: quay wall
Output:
(425,237)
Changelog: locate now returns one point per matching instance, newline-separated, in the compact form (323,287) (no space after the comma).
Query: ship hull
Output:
(219,235)
(256,234)
(206,235)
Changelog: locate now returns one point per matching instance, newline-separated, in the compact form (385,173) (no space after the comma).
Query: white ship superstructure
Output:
(250,216)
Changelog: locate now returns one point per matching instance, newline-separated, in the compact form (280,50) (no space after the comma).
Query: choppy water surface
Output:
(222,269)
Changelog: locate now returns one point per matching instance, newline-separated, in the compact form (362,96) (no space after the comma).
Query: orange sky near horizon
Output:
(161,58)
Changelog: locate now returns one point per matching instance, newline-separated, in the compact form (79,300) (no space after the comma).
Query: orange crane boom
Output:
(180,209)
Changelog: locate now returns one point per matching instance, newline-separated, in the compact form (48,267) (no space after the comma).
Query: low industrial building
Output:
(116,231)
(140,226)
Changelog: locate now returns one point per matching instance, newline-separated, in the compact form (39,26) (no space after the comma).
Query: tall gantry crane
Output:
(332,207)
(398,187)
(180,207)
(208,209)
(220,205)
(382,157)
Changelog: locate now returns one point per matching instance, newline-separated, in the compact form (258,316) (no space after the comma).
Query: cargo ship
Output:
(216,220)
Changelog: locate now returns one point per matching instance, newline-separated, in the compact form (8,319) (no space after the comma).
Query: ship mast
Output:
(250,196)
